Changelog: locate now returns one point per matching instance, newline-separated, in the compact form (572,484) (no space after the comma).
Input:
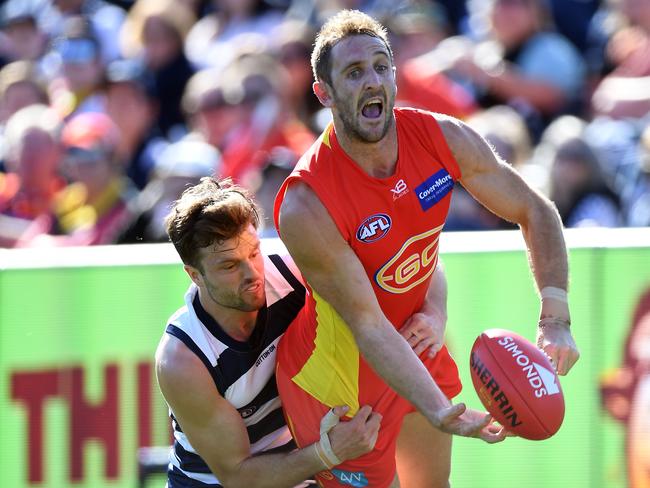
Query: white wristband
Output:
(555,293)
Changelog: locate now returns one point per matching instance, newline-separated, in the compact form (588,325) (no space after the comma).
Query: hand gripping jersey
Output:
(393,225)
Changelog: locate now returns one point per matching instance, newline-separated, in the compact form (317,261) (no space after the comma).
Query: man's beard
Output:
(353,128)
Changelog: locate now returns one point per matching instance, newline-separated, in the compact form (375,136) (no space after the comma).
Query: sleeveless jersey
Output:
(243,372)
(393,225)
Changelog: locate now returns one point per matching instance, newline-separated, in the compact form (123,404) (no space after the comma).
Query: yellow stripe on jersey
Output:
(331,373)
(326,135)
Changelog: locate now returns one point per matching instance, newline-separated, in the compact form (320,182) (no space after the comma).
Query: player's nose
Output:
(251,271)
(372,79)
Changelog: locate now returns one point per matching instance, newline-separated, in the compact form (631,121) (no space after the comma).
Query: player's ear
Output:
(321,90)
(194,274)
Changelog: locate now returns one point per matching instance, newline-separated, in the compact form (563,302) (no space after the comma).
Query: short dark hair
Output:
(344,24)
(208,212)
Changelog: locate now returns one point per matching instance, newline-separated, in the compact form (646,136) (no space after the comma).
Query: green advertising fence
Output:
(78,329)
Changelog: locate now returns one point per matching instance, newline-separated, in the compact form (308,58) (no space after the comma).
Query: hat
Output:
(189,159)
(90,130)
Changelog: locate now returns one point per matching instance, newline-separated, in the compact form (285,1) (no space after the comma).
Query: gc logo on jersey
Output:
(374,228)
(412,264)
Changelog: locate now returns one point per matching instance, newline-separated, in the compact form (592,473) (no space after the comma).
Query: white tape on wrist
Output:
(321,455)
(555,293)
(331,458)
(324,448)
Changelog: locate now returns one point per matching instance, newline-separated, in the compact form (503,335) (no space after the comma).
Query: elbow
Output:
(541,214)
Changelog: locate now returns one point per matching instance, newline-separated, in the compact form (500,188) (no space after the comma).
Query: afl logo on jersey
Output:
(374,228)
(412,264)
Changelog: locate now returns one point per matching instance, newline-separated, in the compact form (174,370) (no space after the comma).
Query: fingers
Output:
(372,425)
(366,418)
(493,437)
(435,347)
(362,416)
(422,338)
(493,432)
(330,419)
(562,358)
(451,413)
(429,343)
(408,329)
(556,341)
(566,360)
(340,410)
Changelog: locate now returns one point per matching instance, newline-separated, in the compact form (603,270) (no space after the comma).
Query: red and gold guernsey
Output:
(393,225)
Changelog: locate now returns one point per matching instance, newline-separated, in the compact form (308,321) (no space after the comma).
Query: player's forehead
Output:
(236,247)
(357,49)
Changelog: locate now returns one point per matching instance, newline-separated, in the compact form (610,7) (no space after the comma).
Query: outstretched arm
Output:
(501,189)
(333,270)
(217,432)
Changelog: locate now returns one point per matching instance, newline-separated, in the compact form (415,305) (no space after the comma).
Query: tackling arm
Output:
(217,432)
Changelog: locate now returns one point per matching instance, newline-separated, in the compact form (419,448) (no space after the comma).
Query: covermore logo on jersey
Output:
(374,228)
(413,263)
(434,189)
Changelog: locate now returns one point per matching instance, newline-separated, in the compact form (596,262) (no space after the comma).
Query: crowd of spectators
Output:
(109,109)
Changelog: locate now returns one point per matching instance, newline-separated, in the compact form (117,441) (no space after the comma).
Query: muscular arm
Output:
(501,189)
(217,432)
(497,186)
(334,271)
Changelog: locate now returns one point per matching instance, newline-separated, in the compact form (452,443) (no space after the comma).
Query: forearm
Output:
(392,358)
(436,298)
(276,470)
(548,258)
(546,247)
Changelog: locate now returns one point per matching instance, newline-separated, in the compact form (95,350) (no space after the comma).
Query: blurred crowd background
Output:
(108,110)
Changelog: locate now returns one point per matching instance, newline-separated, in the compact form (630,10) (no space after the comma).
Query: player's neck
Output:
(377,159)
(240,327)
(237,324)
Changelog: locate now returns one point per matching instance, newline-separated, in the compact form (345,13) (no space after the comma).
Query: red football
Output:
(517,384)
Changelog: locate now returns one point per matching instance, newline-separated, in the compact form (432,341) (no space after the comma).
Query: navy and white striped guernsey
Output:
(243,372)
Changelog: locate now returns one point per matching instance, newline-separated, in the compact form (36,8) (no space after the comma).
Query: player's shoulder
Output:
(184,381)
(321,147)
(175,362)
(300,202)
(424,116)
(424,122)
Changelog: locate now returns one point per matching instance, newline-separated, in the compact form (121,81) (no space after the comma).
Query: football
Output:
(517,384)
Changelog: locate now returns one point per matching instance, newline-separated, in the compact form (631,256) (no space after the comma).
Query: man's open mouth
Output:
(373,108)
